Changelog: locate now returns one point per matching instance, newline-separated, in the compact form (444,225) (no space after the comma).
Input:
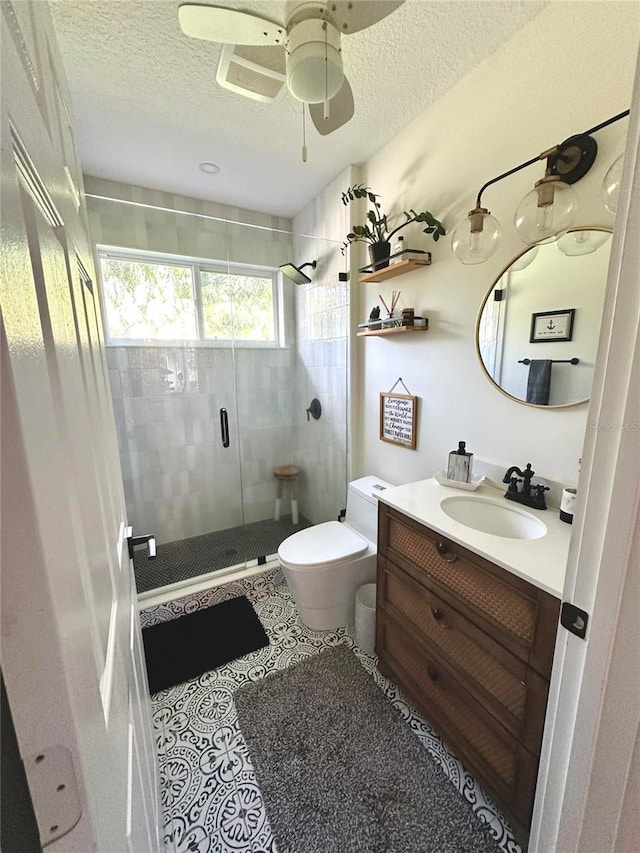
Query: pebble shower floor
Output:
(210,797)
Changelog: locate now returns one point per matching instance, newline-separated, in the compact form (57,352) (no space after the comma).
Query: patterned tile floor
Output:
(210,797)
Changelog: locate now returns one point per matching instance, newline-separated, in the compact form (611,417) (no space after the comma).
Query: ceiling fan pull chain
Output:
(304,138)
(326,74)
(327,108)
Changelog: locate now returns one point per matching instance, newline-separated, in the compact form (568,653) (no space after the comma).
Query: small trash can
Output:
(366,618)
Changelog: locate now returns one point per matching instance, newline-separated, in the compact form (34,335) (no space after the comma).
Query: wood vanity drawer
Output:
(497,758)
(518,615)
(505,686)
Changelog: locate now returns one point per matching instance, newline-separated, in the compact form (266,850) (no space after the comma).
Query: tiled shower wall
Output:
(323,344)
(179,480)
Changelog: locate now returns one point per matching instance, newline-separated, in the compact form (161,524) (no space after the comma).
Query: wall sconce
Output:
(581,242)
(545,213)
(526,258)
(611,185)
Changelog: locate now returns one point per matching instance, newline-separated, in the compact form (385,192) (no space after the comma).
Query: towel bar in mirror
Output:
(568,275)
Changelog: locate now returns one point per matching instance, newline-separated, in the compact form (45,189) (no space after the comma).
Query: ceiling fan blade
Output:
(228,26)
(341,109)
(352,17)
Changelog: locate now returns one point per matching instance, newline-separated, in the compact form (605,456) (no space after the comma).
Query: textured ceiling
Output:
(147,108)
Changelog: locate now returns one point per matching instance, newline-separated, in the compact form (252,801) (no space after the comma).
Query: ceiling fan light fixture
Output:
(314,61)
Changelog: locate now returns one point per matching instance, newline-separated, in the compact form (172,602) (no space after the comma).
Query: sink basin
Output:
(489,516)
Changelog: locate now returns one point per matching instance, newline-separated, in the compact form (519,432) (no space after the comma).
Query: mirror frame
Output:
(479,318)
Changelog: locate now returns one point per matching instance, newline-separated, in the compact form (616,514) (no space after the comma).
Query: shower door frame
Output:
(197,266)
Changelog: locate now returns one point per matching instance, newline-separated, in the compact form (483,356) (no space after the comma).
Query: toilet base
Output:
(326,598)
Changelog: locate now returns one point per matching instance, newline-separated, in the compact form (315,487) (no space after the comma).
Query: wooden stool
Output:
(287,474)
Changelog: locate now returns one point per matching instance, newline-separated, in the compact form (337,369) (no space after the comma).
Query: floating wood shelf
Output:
(393,330)
(393,270)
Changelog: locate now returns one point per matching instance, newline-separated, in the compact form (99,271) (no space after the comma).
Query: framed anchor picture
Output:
(552,326)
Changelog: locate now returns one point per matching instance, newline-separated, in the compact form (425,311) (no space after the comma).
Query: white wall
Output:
(567,70)
(173,201)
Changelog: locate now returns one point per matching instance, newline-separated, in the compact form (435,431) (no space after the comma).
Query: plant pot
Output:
(379,254)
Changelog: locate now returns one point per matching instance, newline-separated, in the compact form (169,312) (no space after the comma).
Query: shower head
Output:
(295,273)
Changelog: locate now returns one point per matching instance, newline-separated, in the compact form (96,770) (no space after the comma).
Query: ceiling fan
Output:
(262,58)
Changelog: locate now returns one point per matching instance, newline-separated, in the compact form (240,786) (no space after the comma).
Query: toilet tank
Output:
(362,505)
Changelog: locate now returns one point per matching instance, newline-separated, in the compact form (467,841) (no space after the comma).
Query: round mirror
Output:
(538,327)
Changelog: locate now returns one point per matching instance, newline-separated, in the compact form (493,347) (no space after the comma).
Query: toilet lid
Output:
(322,545)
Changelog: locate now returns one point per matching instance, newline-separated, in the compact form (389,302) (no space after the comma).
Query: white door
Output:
(71,642)
(589,781)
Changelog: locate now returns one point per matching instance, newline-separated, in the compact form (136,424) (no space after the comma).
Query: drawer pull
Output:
(437,613)
(432,673)
(449,556)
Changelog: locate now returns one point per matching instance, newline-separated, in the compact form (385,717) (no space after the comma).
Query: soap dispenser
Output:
(460,462)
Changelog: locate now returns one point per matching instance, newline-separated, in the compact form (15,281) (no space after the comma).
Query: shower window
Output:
(152,297)
(238,305)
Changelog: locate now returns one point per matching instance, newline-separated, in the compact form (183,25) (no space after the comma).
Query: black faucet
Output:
(525,496)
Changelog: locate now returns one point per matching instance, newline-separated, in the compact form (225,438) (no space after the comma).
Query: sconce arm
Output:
(551,154)
(506,175)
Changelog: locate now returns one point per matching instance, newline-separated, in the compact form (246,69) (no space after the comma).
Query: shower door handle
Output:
(224,427)
(132,541)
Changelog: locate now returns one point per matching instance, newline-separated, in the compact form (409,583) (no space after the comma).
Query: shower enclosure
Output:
(214,356)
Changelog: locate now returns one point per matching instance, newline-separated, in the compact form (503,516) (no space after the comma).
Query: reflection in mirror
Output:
(530,358)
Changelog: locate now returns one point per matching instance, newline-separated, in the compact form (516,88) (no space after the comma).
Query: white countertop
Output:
(541,561)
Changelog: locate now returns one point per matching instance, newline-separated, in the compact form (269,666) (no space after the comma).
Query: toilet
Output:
(325,564)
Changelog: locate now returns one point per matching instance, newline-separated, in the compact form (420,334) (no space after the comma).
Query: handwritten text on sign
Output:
(398,419)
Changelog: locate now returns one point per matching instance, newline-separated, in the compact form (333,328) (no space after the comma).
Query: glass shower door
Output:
(305,359)
(213,365)
(180,468)
(245,300)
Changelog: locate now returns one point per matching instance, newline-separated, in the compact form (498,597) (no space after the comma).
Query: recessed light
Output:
(209,168)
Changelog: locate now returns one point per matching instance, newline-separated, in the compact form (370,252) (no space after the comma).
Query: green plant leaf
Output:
(376,228)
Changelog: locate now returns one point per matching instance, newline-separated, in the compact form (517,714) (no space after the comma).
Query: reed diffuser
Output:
(391,321)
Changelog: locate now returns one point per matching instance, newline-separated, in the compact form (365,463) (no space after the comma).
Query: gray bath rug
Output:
(340,771)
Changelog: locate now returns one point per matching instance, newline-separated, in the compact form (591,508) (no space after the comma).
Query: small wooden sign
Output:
(398,416)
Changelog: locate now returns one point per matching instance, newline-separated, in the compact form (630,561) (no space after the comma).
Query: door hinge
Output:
(574,619)
(54,792)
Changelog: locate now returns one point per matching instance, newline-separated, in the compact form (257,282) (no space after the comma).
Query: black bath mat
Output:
(186,647)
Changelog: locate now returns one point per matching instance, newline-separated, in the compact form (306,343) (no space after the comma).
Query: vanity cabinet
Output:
(472,645)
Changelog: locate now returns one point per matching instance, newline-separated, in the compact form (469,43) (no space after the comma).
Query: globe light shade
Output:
(611,185)
(526,258)
(475,238)
(314,61)
(582,242)
(547,212)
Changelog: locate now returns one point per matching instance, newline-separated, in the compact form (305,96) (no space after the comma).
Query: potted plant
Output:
(376,230)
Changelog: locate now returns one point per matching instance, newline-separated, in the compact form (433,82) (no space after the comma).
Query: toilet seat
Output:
(322,545)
